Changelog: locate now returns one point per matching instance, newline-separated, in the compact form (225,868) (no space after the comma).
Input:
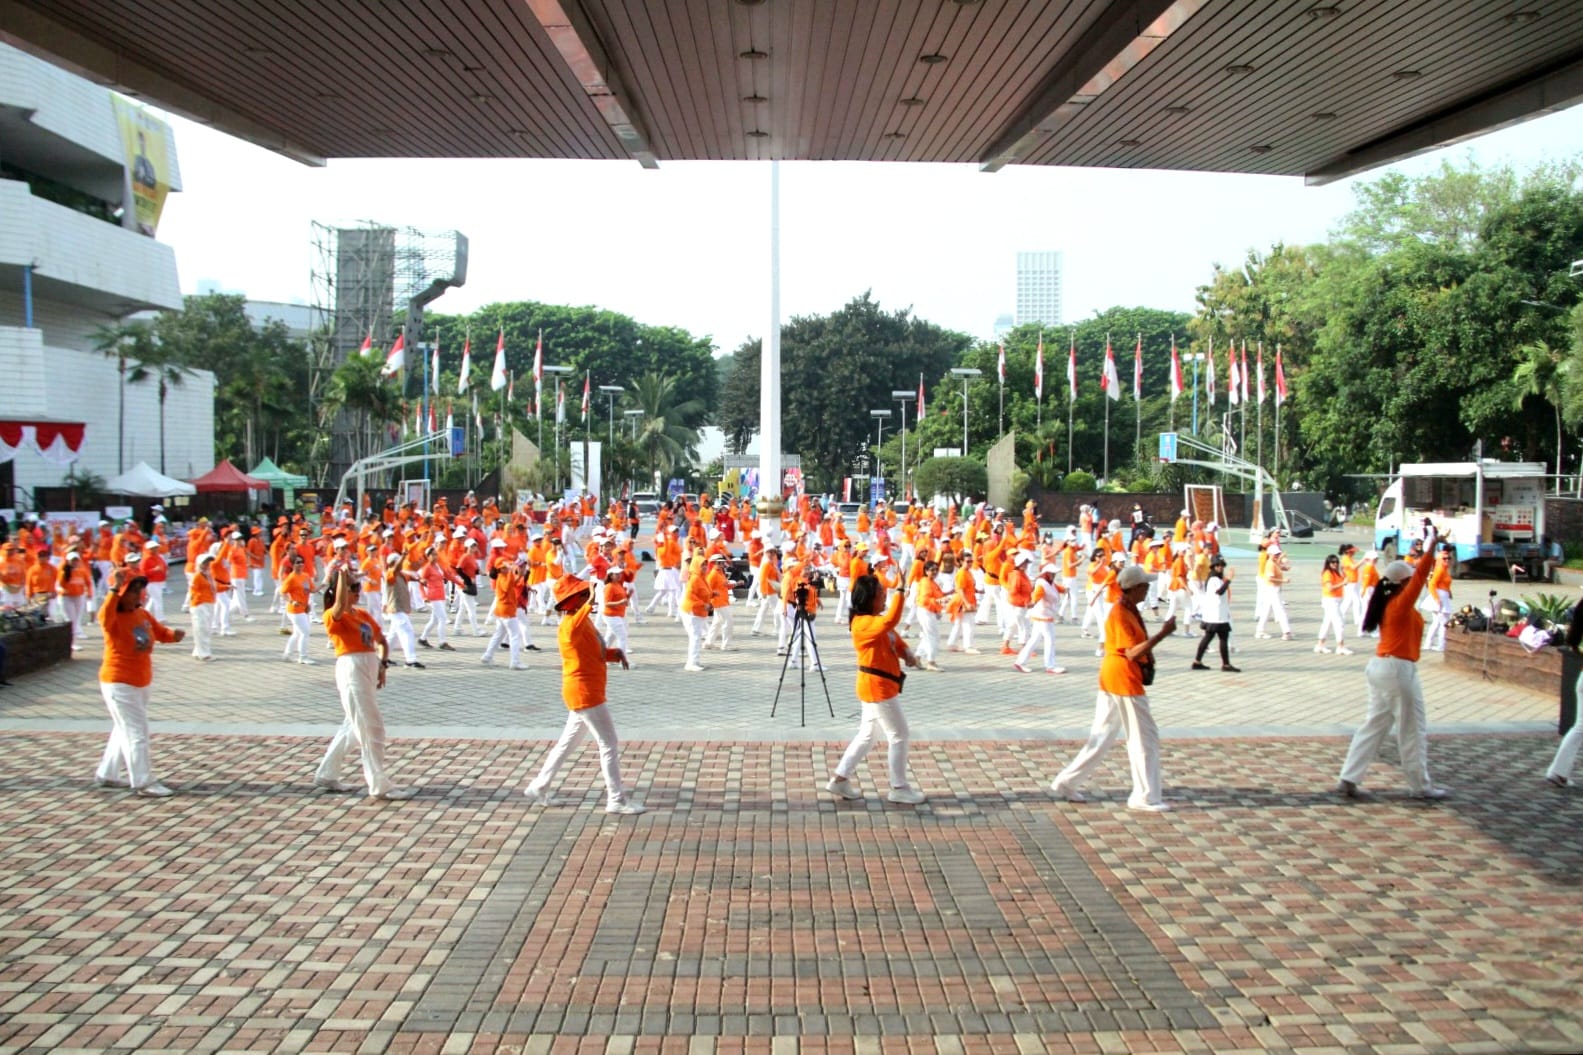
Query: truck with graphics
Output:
(1491,512)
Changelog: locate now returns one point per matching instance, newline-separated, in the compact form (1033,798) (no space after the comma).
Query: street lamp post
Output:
(557,370)
(879,417)
(633,415)
(902,396)
(966,373)
(1196,357)
(610,399)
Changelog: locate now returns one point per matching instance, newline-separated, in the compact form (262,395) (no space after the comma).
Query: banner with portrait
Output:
(144,137)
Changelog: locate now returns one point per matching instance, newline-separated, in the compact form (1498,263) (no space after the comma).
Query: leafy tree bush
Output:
(1079,480)
(958,477)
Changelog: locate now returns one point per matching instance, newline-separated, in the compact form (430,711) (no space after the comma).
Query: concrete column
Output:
(770,471)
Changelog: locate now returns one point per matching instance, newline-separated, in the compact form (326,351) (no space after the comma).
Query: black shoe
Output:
(446,647)
(1200,666)
(424,643)
(418,666)
(531,648)
(1227,667)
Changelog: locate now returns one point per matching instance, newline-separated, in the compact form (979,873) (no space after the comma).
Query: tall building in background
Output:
(1039,287)
(1005,322)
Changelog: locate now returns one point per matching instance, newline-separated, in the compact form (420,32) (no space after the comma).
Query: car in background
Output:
(848,511)
(648,502)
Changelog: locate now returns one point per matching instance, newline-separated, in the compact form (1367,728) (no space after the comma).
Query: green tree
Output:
(359,388)
(958,478)
(666,438)
(162,368)
(1540,374)
(123,342)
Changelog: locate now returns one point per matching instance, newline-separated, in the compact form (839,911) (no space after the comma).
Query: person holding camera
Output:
(1122,705)
(880,655)
(1395,695)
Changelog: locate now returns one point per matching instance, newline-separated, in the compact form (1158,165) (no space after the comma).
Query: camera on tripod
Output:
(800,600)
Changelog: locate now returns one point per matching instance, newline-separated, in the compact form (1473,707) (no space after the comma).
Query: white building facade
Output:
(72,263)
(1039,287)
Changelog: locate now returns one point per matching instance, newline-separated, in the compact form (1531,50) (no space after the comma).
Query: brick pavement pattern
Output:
(747,910)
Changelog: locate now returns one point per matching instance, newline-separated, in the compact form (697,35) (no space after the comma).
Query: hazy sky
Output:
(687,245)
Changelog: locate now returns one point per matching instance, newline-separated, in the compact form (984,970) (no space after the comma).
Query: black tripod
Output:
(802,629)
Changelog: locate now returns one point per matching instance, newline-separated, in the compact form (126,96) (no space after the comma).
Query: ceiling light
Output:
(895,135)
(758,133)
(482,97)
(1323,12)
(1239,68)
(472,69)
(1522,18)
(1324,115)
(933,58)
(1261,148)
(912,100)
(754,53)
(1408,75)
(1178,111)
(755,98)
(750,3)
(1129,143)
(437,53)
(965,3)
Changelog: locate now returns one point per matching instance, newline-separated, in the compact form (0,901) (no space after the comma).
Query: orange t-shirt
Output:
(295,589)
(129,644)
(1401,627)
(583,660)
(615,600)
(1330,582)
(199,590)
(1119,675)
(1368,575)
(356,631)
(874,638)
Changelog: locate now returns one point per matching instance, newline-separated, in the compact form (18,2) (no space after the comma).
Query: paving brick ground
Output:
(747,911)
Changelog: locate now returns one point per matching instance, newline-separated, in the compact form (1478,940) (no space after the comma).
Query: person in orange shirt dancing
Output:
(126,675)
(1395,695)
(880,655)
(361,656)
(76,594)
(200,604)
(1440,598)
(295,589)
(1122,705)
(584,659)
(1332,583)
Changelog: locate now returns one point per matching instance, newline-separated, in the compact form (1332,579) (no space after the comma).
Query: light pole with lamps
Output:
(902,396)
(610,400)
(966,373)
(879,417)
(558,371)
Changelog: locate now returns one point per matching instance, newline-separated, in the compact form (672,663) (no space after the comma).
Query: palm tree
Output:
(1542,373)
(358,387)
(157,363)
(123,341)
(666,435)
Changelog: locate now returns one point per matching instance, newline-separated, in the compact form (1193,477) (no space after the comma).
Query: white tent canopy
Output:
(144,481)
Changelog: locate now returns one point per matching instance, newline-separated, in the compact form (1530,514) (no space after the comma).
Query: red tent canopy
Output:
(227,477)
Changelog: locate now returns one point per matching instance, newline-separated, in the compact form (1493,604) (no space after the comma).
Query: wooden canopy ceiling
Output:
(1320,88)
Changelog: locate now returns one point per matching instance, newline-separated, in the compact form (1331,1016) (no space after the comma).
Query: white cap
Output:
(393,558)
(1022,556)
(151,544)
(1132,576)
(1048,569)
(756,534)
(788,547)
(459,533)
(1212,526)
(205,558)
(1398,571)
(497,543)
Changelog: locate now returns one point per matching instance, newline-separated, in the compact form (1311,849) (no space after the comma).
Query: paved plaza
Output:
(747,910)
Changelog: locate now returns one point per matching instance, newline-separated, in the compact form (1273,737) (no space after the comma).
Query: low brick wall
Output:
(1551,671)
(30,650)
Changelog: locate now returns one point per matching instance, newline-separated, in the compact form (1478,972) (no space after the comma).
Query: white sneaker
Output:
(1055,670)
(396,794)
(157,790)
(842,788)
(1099,652)
(308,662)
(905,796)
(1321,650)
(692,667)
(1060,791)
(538,798)
(624,808)
(338,787)
(1343,650)
(971,652)
(1150,807)
(1433,794)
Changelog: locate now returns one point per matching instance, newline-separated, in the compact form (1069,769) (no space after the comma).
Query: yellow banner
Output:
(147,168)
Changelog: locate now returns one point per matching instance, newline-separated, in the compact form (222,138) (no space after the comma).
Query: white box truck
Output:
(1492,513)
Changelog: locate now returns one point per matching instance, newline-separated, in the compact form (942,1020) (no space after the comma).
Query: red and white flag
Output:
(538,372)
(450,419)
(1071,371)
(1137,371)
(417,419)
(1038,370)
(467,366)
(921,410)
(560,406)
(585,395)
(434,367)
(1246,381)
(1259,365)
(1280,378)
(497,376)
(1209,371)
(368,344)
(1176,371)
(511,388)
(1001,366)
(434,426)
(1233,383)
(1109,383)
(396,358)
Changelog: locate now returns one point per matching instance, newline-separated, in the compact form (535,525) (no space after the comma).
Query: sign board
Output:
(948,452)
(1167,446)
(114,513)
(674,487)
(876,489)
(458,441)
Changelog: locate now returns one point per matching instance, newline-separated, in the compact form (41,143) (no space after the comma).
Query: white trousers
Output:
(696,626)
(509,631)
(1066,607)
(1395,698)
(1269,602)
(1437,629)
(466,605)
(401,633)
(1567,753)
(1016,624)
(202,616)
(962,625)
(76,610)
(128,747)
(616,633)
(357,680)
(579,724)
(888,718)
(154,600)
(1332,620)
(299,635)
(239,601)
(436,623)
(1041,636)
(928,636)
(1113,716)
(720,627)
(220,613)
(255,581)
(1352,604)
(768,605)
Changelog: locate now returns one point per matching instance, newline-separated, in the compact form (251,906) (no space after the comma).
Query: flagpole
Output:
(1137,398)
(1105,475)
(1171,414)
(1258,430)
(1244,386)
(1071,395)
(1277,458)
